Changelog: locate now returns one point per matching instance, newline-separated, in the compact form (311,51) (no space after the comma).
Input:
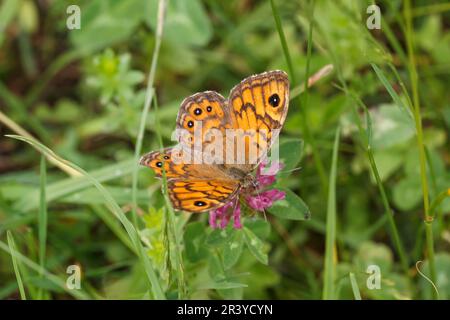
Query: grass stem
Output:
(150,92)
(428,218)
(329,274)
(12,249)
(42,220)
(306,130)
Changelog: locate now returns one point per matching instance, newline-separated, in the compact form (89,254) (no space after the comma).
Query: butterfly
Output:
(258,104)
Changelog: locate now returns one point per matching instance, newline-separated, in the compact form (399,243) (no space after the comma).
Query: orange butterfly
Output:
(257,106)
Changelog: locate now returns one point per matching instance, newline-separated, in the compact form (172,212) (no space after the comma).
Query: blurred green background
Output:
(82,93)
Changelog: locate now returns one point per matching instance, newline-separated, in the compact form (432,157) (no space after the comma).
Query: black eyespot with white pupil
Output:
(166,157)
(274,100)
(190,123)
(159,164)
(198,111)
(209,108)
(199,203)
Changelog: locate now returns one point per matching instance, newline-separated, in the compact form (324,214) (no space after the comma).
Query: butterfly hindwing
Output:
(159,160)
(192,187)
(201,195)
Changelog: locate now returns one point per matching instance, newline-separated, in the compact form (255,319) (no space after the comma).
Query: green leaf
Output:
(104,23)
(186,24)
(430,32)
(291,152)
(221,285)
(255,245)
(391,126)
(233,250)
(407,193)
(215,268)
(371,253)
(292,207)
(194,239)
(219,237)
(388,162)
(260,227)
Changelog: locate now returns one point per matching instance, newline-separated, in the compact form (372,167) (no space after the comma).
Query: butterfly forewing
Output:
(259,106)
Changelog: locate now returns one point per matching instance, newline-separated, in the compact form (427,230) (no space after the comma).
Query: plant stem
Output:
(306,130)
(42,218)
(389,213)
(13,251)
(330,262)
(355,288)
(172,232)
(428,218)
(148,99)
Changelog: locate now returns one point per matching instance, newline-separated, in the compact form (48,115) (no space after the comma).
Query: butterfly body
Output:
(210,165)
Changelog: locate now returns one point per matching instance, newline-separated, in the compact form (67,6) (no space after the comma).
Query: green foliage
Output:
(81,93)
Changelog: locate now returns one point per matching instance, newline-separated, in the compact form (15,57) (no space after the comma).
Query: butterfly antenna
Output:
(292,170)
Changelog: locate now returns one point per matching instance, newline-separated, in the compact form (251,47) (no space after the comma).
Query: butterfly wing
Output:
(201,195)
(163,160)
(259,104)
(192,187)
(201,114)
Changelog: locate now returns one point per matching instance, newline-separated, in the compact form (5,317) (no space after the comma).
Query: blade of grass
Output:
(115,209)
(8,11)
(435,210)
(170,218)
(287,54)
(7,289)
(428,218)
(21,131)
(42,220)
(148,100)
(114,226)
(390,89)
(438,200)
(329,274)
(27,55)
(355,287)
(65,187)
(393,40)
(78,294)
(12,248)
(306,130)
(29,245)
(431,9)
